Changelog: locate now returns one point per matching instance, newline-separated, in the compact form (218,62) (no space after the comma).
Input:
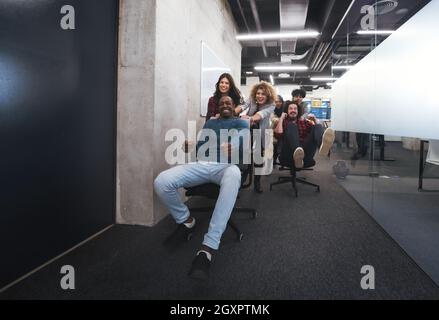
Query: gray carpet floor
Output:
(310,247)
(410,217)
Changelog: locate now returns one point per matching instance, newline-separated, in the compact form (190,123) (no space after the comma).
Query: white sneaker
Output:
(298,156)
(327,141)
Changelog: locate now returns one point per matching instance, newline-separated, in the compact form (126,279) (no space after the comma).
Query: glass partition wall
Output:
(384,109)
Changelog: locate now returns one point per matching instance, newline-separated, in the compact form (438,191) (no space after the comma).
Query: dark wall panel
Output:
(57,129)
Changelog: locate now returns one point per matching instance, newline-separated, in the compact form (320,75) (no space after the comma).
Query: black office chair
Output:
(293,179)
(211,191)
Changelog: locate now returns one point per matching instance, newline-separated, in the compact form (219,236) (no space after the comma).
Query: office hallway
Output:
(310,247)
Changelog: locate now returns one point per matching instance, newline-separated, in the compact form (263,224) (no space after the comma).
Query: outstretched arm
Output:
(280,128)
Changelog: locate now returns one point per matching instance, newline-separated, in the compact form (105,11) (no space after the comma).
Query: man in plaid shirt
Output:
(301,137)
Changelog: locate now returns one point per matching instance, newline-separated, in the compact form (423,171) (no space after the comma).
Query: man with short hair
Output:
(225,174)
(301,137)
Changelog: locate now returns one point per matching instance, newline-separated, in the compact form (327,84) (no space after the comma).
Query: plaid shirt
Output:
(303,126)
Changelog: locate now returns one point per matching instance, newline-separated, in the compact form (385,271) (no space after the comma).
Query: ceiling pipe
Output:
(328,11)
(243,15)
(323,53)
(258,24)
(325,60)
(319,49)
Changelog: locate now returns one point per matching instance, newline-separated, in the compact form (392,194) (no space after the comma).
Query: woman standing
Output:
(259,108)
(224,86)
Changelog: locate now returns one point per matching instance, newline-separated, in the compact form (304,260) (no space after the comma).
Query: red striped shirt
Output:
(304,127)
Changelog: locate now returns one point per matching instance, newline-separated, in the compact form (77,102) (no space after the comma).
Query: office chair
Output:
(211,191)
(293,179)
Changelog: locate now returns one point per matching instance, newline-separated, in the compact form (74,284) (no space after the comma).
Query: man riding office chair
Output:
(300,140)
(218,170)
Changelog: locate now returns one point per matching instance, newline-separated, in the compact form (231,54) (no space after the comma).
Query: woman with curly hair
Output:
(225,86)
(259,108)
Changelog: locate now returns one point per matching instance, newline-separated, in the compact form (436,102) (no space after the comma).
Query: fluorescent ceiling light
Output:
(375,32)
(271,79)
(249,72)
(279,35)
(341,67)
(280,68)
(323,79)
(283,75)
(329,84)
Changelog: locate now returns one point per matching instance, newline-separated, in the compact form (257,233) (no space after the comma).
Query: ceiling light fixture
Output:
(249,72)
(283,75)
(378,32)
(323,79)
(271,79)
(281,68)
(279,35)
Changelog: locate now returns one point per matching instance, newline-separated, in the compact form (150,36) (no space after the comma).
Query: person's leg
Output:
(292,136)
(312,142)
(292,154)
(229,179)
(257,178)
(275,152)
(360,143)
(366,142)
(168,182)
(363,143)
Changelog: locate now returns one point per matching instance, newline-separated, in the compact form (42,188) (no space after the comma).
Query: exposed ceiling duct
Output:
(258,24)
(323,53)
(336,22)
(298,57)
(325,59)
(293,14)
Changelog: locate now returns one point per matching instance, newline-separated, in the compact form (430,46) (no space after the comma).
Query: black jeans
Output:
(291,141)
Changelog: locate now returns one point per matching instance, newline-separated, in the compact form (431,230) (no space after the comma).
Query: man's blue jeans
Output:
(227,176)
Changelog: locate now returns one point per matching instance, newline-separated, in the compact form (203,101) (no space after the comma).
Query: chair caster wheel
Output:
(240,237)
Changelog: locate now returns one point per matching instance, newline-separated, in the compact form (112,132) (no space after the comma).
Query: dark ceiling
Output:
(344,47)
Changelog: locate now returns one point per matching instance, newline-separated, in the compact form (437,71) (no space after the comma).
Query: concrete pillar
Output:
(135,112)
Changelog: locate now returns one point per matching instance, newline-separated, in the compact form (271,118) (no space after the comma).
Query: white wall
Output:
(393,91)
